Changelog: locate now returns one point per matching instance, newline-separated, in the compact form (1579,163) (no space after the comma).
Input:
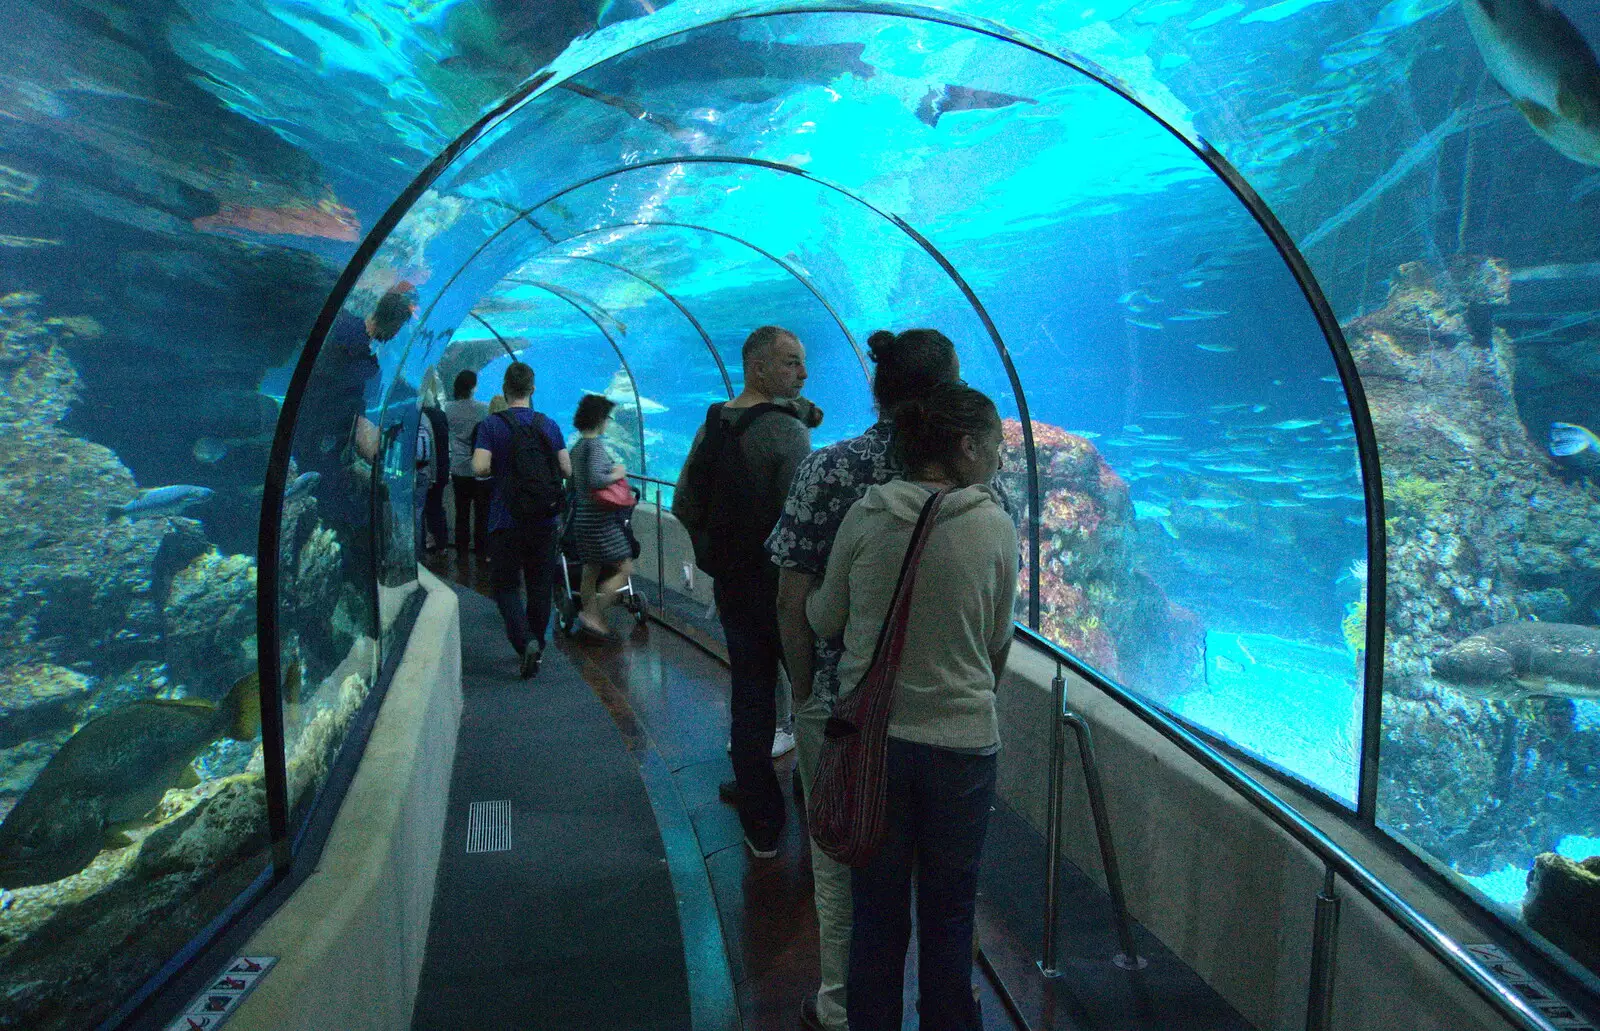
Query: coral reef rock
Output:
(1482,531)
(210,622)
(1563,904)
(37,698)
(1093,600)
(73,587)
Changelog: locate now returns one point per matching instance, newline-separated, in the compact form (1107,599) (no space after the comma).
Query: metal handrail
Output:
(651,479)
(1445,949)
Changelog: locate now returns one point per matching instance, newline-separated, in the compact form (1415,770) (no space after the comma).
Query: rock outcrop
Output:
(1094,599)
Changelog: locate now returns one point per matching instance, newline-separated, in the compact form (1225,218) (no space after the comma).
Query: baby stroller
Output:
(569,579)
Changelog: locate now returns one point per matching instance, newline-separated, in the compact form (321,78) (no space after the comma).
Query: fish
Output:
(1133,427)
(1196,315)
(1215,504)
(1230,666)
(1296,424)
(1577,444)
(1146,323)
(1237,468)
(1282,503)
(1156,514)
(1218,348)
(620,392)
(113,771)
(940,100)
(1540,58)
(1085,434)
(326,219)
(160,501)
(1271,478)
(301,484)
(210,450)
(1164,415)
(1513,661)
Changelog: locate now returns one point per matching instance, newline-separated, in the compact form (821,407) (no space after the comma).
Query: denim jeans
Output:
(748,609)
(516,556)
(939,804)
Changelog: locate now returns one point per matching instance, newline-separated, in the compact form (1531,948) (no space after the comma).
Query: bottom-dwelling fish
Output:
(113,771)
(1525,660)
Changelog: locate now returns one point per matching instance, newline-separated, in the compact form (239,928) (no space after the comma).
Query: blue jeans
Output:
(939,804)
(748,609)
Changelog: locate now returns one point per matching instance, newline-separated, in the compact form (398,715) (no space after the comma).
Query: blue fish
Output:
(160,501)
(301,484)
(1576,443)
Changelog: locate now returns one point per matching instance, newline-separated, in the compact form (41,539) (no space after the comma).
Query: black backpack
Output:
(533,488)
(733,538)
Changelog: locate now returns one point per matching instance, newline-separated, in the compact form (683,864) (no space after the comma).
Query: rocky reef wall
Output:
(1484,528)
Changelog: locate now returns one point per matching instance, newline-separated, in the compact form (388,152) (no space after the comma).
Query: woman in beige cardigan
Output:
(943,734)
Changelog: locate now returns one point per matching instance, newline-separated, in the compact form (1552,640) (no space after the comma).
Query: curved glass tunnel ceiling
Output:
(779,177)
(179,198)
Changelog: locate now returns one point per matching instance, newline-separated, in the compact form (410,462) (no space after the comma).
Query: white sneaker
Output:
(782,743)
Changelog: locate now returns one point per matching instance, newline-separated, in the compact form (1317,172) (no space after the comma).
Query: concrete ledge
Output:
(1221,885)
(351,939)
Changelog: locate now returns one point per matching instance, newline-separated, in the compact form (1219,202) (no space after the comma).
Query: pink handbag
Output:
(614,496)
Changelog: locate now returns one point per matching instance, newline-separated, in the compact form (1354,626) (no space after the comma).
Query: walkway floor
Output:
(668,700)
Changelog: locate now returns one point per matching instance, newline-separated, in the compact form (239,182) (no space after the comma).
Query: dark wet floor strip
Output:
(669,697)
(577,925)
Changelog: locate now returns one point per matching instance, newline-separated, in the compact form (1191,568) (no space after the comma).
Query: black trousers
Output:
(521,558)
(472,511)
(748,609)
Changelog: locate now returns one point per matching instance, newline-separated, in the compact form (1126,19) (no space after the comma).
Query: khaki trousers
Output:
(832,879)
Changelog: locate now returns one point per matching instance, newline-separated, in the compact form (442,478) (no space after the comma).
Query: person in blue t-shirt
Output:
(519,554)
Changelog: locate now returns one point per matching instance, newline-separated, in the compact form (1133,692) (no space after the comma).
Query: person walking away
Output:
(524,453)
(943,733)
(603,548)
(422,485)
(463,413)
(826,484)
(728,497)
(439,476)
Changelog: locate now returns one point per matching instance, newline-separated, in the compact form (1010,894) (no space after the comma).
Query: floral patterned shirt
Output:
(826,483)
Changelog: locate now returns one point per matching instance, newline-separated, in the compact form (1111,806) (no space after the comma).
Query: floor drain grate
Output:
(489,827)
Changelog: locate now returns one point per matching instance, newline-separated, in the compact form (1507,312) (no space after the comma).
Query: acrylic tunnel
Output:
(1288,310)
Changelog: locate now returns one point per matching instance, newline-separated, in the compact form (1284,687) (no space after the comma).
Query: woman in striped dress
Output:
(597,532)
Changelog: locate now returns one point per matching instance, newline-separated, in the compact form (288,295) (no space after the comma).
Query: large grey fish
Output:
(1525,660)
(300,484)
(115,770)
(942,99)
(1546,66)
(160,501)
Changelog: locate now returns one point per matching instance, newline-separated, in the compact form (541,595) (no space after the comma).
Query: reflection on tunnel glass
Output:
(178,198)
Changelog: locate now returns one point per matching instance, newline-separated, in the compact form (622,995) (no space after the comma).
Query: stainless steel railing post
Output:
(1058,700)
(1128,958)
(661,558)
(1052,885)
(1324,945)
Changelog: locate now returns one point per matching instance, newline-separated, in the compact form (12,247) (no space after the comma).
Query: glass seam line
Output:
(861,356)
(268,664)
(495,333)
(722,368)
(568,295)
(1311,837)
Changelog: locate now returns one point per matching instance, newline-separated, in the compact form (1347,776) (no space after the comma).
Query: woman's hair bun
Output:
(879,342)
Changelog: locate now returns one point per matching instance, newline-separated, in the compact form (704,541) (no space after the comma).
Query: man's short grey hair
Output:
(758,343)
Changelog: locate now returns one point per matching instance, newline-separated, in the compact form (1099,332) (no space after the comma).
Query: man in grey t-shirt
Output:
(771,440)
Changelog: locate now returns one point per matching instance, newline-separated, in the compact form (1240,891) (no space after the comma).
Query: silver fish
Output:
(161,501)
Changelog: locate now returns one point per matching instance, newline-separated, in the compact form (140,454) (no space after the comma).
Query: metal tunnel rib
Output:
(722,368)
(495,333)
(570,297)
(861,355)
